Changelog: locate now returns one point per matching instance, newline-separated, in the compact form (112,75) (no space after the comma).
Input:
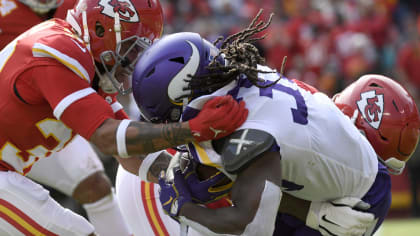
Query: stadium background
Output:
(329,44)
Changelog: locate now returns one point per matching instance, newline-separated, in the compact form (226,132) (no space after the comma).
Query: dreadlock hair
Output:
(242,56)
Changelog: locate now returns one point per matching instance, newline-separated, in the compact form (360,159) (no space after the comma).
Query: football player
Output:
(17,16)
(79,167)
(295,142)
(139,197)
(55,77)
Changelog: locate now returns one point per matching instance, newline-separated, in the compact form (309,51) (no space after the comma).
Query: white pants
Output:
(141,208)
(26,208)
(64,170)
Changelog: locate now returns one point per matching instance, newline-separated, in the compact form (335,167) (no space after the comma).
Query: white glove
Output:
(340,217)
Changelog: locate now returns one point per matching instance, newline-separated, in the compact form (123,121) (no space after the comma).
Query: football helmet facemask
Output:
(161,77)
(116,32)
(386,114)
(42,6)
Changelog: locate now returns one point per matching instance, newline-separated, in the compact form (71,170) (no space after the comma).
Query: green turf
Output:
(407,227)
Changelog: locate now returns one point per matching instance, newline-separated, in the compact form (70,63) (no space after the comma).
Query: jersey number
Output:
(49,128)
(299,114)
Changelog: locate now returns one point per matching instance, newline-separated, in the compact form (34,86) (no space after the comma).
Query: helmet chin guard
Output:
(394,165)
(120,64)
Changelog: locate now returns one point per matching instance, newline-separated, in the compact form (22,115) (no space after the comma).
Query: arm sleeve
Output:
(72,99)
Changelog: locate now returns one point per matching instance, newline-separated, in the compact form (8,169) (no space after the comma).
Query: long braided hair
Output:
(242,57)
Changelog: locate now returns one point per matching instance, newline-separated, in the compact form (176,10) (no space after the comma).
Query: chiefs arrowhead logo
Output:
(124,8)
(371,107)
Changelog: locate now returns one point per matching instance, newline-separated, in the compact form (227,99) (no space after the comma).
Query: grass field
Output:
(406,227)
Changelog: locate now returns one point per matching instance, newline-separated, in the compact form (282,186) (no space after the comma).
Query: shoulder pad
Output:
(61,44)
(242,147)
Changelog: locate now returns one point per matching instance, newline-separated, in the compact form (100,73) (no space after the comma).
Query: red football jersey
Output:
(16,18)
(45,94)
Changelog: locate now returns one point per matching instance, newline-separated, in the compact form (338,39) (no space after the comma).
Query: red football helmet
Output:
(116,31)
(387,114)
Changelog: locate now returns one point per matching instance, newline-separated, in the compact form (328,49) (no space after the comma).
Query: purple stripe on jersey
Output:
(378,196)
(242,82)
(193,152)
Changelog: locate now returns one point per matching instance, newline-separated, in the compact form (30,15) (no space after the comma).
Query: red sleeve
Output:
(57,85)
(305,86)
(87,114)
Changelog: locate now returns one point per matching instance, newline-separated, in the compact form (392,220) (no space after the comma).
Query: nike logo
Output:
(216,131)
(178,83)
(83,49)
(324,218)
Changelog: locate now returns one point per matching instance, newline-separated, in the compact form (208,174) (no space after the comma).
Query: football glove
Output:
(205,191)
(173,195)
(219,117)
(340,217)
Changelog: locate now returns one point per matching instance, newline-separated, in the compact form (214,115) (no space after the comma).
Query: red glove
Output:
(219,117)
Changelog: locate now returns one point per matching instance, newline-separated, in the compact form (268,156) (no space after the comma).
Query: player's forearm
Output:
(228,220)
(145,138)
(153,169)
(294,206)
(140,137)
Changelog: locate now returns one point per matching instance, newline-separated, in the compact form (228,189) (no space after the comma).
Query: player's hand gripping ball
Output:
(207,184)
(173,195)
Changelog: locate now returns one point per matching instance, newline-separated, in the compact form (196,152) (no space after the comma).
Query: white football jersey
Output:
(324,156)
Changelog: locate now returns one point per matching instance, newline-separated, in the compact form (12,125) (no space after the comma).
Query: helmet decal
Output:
(371,107)
(180,81)
(125,9)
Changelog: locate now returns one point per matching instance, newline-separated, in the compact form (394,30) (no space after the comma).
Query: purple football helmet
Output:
(161,76)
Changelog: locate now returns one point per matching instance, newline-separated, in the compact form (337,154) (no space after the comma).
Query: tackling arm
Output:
(256,187)
(124,138)
(141,137)
(344,216)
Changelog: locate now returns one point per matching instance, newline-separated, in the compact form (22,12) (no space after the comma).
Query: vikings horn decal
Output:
(175,88)
(125,9)
(371,107)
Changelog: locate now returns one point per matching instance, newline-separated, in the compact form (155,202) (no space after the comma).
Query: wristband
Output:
(121,145)
(116,106)
(146,164)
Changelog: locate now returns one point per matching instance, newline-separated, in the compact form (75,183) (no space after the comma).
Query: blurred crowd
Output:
(328,43)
